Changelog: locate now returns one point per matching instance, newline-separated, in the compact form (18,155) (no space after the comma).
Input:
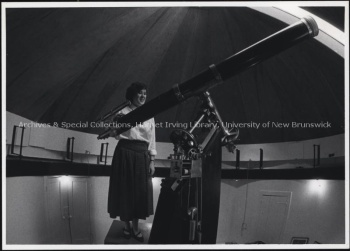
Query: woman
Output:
(130,189)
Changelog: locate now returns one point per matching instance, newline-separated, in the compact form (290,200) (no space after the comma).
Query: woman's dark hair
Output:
(134,89)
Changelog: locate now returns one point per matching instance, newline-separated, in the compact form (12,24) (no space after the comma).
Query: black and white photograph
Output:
(175,125)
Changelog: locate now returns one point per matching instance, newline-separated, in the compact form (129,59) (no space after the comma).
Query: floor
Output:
(115,234)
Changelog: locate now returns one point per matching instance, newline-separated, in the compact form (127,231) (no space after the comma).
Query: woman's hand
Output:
(151,167)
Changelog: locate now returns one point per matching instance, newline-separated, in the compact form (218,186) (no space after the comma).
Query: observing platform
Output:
(115,234)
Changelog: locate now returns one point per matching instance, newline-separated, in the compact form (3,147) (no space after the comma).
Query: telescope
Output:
(195,167)
(217,73)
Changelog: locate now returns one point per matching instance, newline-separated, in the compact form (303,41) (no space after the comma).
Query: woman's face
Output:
(140,98)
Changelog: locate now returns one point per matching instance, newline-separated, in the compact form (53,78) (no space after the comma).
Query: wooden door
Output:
(273,214)
(57,211)
(79,210)
(68,210)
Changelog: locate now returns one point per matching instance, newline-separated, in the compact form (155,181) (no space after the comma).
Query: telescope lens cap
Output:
(312,25)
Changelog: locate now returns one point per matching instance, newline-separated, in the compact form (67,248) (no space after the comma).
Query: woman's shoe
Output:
(138,236)
(126,233)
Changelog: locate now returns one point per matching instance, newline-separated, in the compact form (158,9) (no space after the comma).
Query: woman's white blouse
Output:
(145,132)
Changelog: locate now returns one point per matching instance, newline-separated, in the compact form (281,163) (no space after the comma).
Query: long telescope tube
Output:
(304,29)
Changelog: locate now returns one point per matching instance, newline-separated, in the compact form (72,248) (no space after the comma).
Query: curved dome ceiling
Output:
(74,64)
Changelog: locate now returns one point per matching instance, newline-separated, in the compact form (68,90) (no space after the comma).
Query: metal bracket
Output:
(178,93)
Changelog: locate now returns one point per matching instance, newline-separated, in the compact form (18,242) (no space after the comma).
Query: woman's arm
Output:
(152,144)
(152,147)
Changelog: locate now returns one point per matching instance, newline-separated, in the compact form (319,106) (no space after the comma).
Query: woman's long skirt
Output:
(130,193)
